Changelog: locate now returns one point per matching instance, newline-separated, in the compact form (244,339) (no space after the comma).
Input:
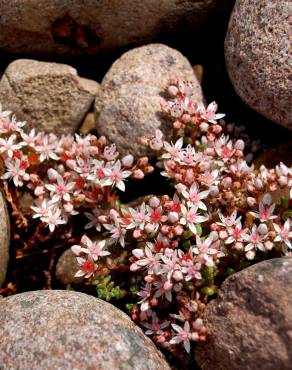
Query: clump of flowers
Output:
(164,259)
(64,176)
(220,219)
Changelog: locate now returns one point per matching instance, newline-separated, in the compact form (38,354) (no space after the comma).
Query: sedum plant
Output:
(64,177)
(164,259)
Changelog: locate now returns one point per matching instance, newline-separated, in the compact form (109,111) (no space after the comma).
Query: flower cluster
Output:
(191,118)
(93,250)
(221,217)
(186,111)
(168,255)
(64,175)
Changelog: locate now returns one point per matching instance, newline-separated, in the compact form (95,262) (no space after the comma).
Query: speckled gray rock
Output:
(49,96)
(74,27)
(250,323)
(53,330)
(128,105)
(257,57)
(4,238)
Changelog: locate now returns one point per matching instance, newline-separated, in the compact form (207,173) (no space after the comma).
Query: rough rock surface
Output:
(249,324)
(49,96)
(74,27)
(4,238)
(257,57)
(70,330)
(128,105)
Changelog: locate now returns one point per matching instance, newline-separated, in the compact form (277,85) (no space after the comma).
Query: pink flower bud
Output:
(198,324)
(229,195)
(239,145)
(165,229)
(180,187)
(71,164)
(177,124)
(283,181)
(34,178)
(186,118)
(210,151)
(160,339)
(217,129)
(102,219)
(138,253)
(76,249)
(238,246)
(113,214)
(223,234)
(148,169)
(178,230)
(172,90)
(39,190)
(154,302)
(193,306)
(167,285)
(144,140)
(258,184)
(215,227)
(143,161)
(204,126)
(189,176)
(177,275)
(251,188)
(138,174)
(154,202)
(226,182)
(149,279)
(214,191)
(61,169)
(273,187)
(156,142)
(150,228)
(102,141)
(269,245)
(214,235)
(211,137)
(204,166)
(263,229)
(134,267)
(52,174)
(137,234)
(173,217)
(144,316)
(267,199)
(68,207)
(128,160)
(93,150)
(251,201)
